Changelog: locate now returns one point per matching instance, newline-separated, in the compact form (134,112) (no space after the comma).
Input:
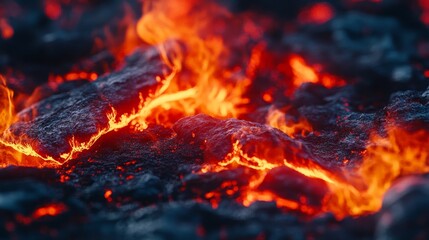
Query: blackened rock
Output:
(290,184)
(144,188)
(83,111)
(405,212)
(410,109)
(217,137)
(13,173)
(356,43)
(21,196)
(206,182)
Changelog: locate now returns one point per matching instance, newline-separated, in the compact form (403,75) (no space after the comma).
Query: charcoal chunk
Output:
(290,184)
(405,213)
(216,138)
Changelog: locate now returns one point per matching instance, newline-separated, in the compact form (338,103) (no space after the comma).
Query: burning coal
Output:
(317,114)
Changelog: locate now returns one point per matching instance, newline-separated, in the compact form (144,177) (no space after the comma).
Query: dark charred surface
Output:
(144,186)
(81,112)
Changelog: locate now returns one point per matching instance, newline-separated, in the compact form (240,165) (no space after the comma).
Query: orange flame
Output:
(277,119)
(304,73)
(399,154)
(201,57)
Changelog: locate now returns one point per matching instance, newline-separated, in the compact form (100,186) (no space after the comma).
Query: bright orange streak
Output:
(6,105)
(49,210)
(302,72)
(386,159)
(399,154)
(114,123)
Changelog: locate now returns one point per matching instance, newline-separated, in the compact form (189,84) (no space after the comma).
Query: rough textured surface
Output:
(148,185)
(82,111)
(216,138)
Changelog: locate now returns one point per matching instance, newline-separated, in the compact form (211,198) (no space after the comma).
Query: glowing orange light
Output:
(277,119)
(49,210)
(108,195)
(304,73)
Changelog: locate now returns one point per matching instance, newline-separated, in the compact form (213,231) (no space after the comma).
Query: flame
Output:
(304,73)
(277,119)
(401,153)
(202,58)
(386,158)
(7,117)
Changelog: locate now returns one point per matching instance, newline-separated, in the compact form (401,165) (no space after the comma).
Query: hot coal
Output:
(57,116)
(216,138)
(290,184)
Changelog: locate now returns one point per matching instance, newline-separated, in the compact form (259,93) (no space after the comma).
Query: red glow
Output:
(424,4)
(73,76)
(53,9)
(49,210)
(318,13)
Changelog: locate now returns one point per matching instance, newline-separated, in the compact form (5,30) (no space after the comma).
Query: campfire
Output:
(186,119)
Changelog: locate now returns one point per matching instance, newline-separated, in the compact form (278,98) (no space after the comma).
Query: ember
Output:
(214,119)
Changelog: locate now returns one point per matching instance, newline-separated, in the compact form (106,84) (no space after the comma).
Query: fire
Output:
(401,153)
(6,105)
(277,119)
(7,117)
(73,76)
(201,57)
(202,81)
(386,159)
(304,73)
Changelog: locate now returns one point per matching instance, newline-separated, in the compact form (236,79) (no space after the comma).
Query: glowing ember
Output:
(318,13)
(49,210)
